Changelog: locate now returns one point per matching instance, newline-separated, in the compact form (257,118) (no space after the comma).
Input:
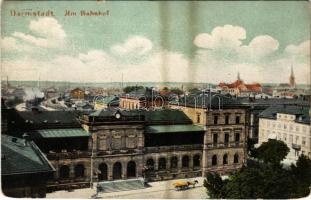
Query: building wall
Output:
(231,140)
(284,128)
(231,127)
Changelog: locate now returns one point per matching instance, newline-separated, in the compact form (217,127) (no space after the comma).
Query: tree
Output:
(129,89)
(272,152)
(177,91)
(267,180)
(301,173)
(213,183)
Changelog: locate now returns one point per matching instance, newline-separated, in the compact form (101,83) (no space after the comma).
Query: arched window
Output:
(214,160)
(236,158)
(185,161)
(162,164)
(174,162)
(196,161)
(131,169)
(64,172)
(103,172)
(150,164)
(225,159)
(79,170)
(117,171)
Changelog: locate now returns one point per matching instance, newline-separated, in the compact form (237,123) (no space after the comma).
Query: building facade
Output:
(290,124)
(226,130)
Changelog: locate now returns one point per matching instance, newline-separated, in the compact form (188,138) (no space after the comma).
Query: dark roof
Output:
(166,115)
(206,100)
(271,101)
(16,158)
(151,116)
(48,117)
(302,113)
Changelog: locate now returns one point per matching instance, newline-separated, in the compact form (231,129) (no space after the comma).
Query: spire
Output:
(292,71)
(238,76)
(292,82)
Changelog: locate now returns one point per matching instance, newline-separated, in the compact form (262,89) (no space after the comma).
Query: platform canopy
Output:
(174,128)
(62,133)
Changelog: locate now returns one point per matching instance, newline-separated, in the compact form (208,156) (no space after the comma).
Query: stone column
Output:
(110,171)
(179,164)
(71,171)
(124,169)
(190,162)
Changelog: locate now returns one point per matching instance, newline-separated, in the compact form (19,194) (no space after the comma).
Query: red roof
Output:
(255,87)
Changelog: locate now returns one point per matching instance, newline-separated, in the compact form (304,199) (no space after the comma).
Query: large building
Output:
(25,170)
(290,124)
(239,88)
(225,122)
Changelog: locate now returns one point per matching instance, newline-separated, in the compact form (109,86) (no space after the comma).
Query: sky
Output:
(149,41)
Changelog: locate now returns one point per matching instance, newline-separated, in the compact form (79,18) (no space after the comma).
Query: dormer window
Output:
(45,121)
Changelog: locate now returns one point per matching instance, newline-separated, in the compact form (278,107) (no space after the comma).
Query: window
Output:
(198,118)
(226,139)
(215,119)
(237,119)
(237,137)
(285,126)
(285,137)
(79,170)
(225,159)
(236,158)
(290,138)
(227,119)
(215,138)
(297,128)
(214,160)
(303,141)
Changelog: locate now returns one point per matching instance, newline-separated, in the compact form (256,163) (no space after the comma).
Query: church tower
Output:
(292,82)
(238,77)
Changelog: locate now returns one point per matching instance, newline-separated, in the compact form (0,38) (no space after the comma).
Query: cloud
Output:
(302,48)
(227,36)
(46,33)
(259,47)
(136,45)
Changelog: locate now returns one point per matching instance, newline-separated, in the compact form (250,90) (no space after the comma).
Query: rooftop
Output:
(301,113)
(18,158)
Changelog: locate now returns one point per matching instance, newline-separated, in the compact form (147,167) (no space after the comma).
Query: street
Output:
(158,190)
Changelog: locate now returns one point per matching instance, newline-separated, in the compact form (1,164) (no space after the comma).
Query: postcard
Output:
(155,99)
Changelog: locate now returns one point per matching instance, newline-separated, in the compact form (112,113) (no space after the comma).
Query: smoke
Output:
(31,93)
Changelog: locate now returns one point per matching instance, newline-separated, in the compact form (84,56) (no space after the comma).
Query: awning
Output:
(174,128)
(61,133)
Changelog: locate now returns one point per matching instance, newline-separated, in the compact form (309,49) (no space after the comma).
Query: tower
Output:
(238,77)
(292,82)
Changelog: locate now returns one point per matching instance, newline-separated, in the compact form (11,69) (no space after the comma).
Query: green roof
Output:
(62,133)
(18,158)
(174,128)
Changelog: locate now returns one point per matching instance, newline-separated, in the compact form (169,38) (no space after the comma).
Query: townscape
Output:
(73,138)
(155,99)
